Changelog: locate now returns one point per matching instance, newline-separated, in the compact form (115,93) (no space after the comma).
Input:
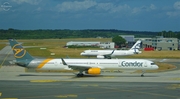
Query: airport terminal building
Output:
(108,45)
(160,43)
(130,40)
(157,43)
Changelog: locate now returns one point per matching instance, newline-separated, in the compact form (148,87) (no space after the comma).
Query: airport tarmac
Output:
(88,90)
(15,83)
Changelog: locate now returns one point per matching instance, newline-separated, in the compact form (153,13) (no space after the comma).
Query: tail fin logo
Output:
(19,52)
(138,45)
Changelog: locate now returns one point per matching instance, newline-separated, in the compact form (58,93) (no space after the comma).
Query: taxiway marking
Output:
(5,59)
(141,92)
(44,81)
(175,78)
(66,96)
(88,85)
(174,86)
(109,77)
(6,98)
(49,81)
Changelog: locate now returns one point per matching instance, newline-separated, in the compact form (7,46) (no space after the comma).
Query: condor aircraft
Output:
(113,53)
(88,66)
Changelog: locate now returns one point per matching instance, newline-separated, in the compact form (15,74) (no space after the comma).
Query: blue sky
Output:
(136,15)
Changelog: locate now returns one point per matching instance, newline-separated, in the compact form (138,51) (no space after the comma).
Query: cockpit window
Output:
(153,64)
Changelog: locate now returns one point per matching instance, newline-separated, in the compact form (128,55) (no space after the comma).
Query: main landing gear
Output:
(80,74)
(142,75)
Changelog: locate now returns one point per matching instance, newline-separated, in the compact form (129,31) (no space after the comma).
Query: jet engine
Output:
(100,57)
(94,71)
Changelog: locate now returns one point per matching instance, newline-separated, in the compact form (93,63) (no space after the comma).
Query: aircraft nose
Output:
(156,66)
(82,54)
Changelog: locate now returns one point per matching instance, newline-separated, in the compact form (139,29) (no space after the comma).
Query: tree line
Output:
(169,34)
(87,33)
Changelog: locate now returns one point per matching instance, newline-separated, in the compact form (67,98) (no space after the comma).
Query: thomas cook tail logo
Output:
(19,52)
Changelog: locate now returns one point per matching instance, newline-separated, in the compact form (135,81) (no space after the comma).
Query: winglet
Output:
(108,56)
(64,63)
(112,52)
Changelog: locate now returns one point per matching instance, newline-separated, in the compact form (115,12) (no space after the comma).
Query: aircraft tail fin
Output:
(136,46)
(19,52)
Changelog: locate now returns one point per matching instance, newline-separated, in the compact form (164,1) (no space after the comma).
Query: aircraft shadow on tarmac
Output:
(74,76)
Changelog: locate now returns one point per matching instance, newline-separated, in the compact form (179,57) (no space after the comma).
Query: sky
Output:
(131,15)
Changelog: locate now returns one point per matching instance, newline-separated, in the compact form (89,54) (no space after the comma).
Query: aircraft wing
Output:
(107,56)
(79,67)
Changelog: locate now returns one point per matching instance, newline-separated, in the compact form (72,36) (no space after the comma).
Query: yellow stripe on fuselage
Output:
(43,63)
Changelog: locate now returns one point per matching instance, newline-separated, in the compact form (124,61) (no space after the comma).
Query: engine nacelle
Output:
(100,57)
(94,71)
(139,52)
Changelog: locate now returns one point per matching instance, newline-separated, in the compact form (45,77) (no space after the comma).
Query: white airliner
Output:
(101,54)
(88,66)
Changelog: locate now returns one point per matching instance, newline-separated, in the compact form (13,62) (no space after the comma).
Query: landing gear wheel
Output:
(142,75)
(80,75)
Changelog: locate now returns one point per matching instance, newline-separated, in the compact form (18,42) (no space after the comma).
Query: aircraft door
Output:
(145,64)
(119,64)
(55,63)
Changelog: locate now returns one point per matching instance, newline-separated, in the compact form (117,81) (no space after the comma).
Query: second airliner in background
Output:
(108,54)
